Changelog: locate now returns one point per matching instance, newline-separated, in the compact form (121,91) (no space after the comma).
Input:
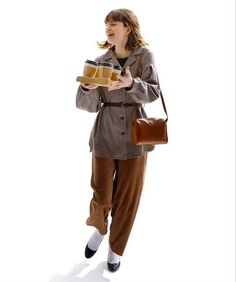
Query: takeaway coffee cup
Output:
(90,68)
(106,69)
(99,71)
(115,73)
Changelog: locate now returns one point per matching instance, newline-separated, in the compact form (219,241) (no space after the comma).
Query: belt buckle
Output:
(122,104)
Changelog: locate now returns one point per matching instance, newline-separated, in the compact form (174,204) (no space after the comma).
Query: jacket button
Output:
(122,133)
(122,118)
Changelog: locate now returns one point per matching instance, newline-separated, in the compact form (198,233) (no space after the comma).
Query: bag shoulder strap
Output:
(139,73)
(164,105)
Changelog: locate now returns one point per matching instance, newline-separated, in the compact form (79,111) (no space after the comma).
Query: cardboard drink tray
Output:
(94,80)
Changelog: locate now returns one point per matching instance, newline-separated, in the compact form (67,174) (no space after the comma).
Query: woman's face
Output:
(117,33)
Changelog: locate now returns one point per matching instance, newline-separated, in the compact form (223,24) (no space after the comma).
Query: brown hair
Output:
(129,19)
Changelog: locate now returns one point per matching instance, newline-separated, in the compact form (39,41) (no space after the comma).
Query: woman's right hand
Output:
(89,86)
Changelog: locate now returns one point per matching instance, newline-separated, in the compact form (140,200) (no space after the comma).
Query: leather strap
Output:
(121,104)
(139,73)
(164,106)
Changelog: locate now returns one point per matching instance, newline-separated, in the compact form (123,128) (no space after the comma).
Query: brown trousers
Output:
(117,186)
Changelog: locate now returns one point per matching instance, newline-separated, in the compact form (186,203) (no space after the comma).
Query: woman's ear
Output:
(128,30)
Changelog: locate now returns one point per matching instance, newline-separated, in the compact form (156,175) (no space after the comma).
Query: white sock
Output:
(112,257)
(95,240)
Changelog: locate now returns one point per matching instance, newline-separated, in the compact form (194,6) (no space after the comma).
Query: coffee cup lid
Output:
(106,64)
(117,68)
(91,62)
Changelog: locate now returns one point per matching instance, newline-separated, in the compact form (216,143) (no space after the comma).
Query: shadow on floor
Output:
(82,273)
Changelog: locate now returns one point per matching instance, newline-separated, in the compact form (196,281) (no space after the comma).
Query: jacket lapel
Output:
(133,56)
(110,57)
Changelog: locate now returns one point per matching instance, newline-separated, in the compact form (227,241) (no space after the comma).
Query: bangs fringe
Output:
(114,16)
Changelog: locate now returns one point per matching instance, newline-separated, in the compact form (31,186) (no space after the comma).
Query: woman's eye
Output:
(111,24)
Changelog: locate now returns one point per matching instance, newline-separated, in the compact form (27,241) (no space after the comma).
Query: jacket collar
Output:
(110,56)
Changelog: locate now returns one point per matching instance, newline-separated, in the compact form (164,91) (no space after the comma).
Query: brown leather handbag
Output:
(147,131)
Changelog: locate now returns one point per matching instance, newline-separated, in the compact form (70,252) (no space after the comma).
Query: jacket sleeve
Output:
(146,89)
(88,100)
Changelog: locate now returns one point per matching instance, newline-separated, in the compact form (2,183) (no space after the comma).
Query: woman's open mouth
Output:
(110,35)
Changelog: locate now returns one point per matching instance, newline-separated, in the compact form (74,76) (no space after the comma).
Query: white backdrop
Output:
(185,225)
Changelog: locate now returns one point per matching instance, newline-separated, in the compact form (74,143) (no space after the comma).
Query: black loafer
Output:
(113,267)
(88,252)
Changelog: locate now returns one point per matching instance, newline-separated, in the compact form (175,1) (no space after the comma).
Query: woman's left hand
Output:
(124,81)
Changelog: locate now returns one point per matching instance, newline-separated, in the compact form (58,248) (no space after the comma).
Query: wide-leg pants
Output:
(117,187)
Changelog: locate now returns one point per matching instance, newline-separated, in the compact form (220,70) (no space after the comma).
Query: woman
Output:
(118,167)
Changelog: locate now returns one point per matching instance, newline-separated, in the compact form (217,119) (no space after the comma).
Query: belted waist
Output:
(121,104)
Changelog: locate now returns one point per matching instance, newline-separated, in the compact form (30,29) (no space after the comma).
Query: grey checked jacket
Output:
(111,134)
